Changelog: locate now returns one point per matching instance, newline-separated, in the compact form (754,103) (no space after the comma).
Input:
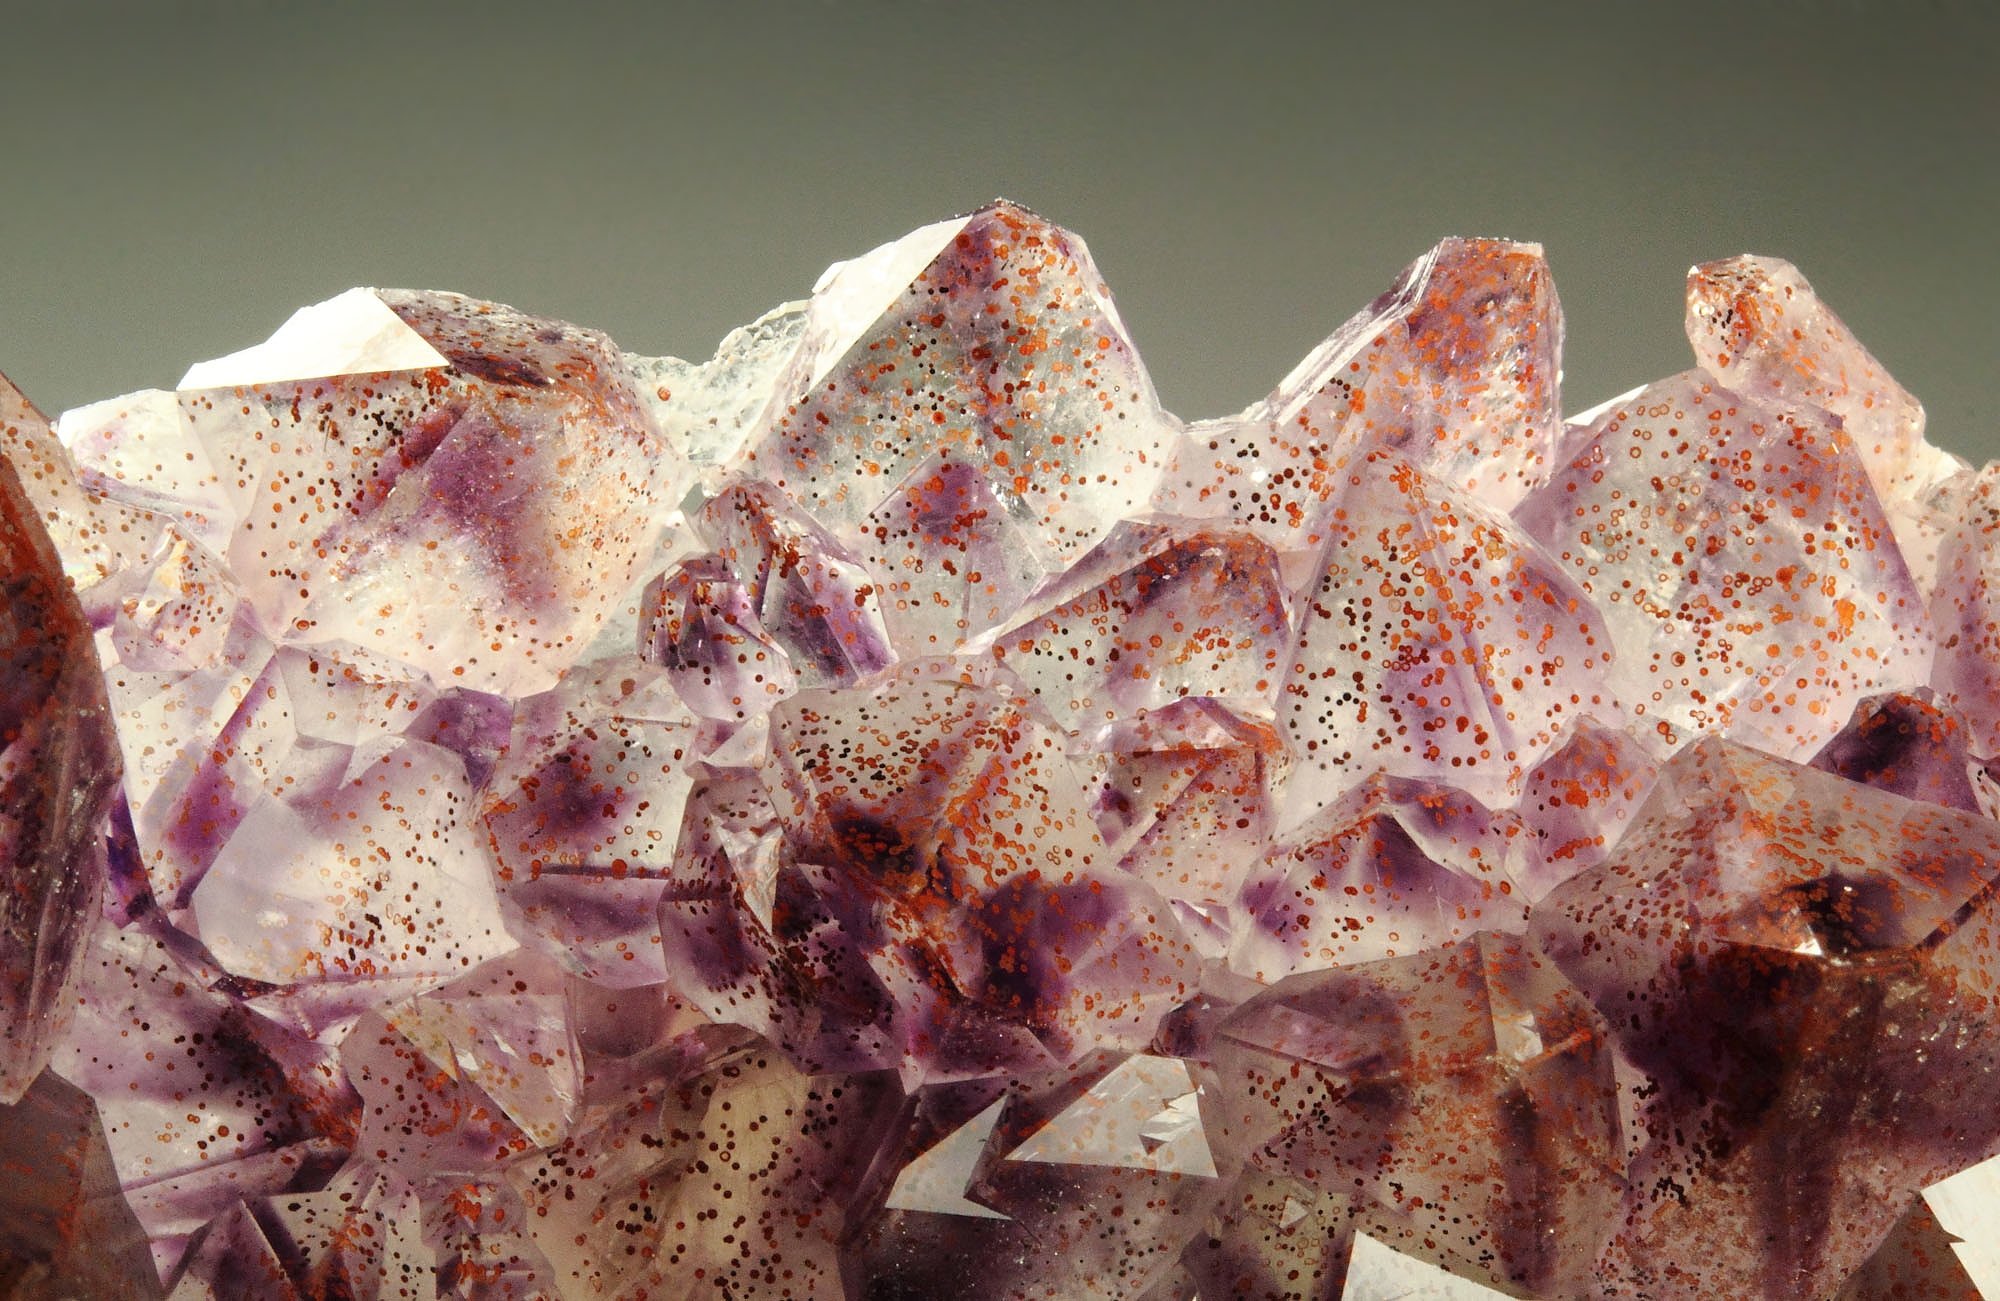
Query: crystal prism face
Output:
(888,811)
(500,465)
(1749,580)
(1436,640)
(1809,1035)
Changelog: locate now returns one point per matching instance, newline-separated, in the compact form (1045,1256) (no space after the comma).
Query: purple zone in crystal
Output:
(1799,975)
(914,881)
(818,603)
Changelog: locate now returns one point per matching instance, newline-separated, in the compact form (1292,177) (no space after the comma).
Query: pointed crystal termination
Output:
(1800,976)
(582,816)
(1454,369)
(1185,799)
(1578,799)
(991,338)
(1435,640)
(1742,563)
(1759,328)
(701,624)
(389,444)
(59,770)
(243,1106)
(1908,744)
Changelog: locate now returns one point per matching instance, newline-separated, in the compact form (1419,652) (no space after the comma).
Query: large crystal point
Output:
(1434,640)
(1742,562)
(1184,801)
(1800,976)
(140,451)
(318,841)
(460,1079)
(701,624)
(360,1237)
(992,338)
(93,537)
(951,557)
(1759,328)
(1455,369)
(58,770)
(499,464)
(1579,798)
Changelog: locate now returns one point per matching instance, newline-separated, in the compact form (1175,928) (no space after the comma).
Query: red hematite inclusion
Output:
(890,812)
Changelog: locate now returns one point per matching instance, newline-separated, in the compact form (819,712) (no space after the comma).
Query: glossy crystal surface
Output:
(892,812)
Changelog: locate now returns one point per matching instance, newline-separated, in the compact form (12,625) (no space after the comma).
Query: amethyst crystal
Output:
(891,812)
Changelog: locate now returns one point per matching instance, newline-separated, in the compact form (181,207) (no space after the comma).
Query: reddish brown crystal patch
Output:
(59,770)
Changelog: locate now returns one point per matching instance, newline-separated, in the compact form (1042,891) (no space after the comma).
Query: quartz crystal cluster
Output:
(891,812)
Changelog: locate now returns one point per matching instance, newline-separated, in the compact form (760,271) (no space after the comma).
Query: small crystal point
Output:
(936,1181)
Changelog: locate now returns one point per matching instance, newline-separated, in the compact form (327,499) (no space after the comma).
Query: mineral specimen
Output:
(891,812)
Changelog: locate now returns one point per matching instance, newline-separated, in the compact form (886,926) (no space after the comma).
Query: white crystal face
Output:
(354,333)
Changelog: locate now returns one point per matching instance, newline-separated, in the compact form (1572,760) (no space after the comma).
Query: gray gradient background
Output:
(179,175)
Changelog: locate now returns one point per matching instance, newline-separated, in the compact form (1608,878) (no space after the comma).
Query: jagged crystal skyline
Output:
(889,810)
